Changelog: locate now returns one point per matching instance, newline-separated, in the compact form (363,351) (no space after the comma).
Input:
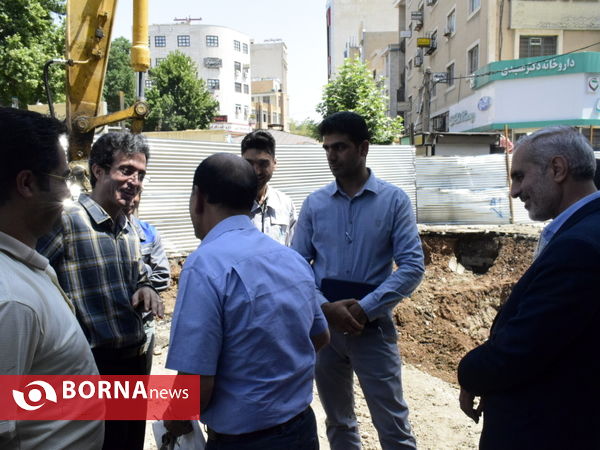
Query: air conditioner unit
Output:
(418,61)
(418,25)
(431,2)
(472,82)
(448,31)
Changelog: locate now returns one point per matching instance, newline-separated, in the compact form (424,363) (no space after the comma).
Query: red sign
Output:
(220,119)
(99,397)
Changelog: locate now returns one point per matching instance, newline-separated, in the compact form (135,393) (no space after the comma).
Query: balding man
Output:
(537,374)
(246,319)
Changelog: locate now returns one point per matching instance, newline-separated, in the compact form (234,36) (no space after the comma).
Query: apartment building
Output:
(270,99)
(222,56)
(350,24)
(477,65)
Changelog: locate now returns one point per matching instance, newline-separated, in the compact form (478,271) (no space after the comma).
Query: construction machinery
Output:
(89,26)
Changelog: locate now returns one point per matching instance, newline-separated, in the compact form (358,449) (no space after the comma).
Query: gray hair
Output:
(562,141)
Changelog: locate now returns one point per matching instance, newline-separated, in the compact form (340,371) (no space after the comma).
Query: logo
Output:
(484,103)
(593,84)
(34,396)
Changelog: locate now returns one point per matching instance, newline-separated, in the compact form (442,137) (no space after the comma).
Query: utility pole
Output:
(426,110)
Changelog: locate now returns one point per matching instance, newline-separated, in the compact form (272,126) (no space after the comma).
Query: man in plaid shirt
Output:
(96,255)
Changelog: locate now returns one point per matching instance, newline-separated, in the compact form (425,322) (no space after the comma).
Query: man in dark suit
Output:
(538,374)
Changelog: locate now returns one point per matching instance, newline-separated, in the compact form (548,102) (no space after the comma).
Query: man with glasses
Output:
(39,334)
(96,255)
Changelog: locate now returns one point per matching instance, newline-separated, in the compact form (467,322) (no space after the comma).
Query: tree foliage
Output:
(177,98)
(307,127)
(119,75)
(31,33)
(354,89)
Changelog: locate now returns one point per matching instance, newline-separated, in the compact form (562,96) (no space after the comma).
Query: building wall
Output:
(235,105)
(496,27)
(346,17)
(270,62)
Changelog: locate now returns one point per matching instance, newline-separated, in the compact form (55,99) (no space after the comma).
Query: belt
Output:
(214,436)
(112,354)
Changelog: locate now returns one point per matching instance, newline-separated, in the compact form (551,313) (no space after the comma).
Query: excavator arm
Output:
(89,30)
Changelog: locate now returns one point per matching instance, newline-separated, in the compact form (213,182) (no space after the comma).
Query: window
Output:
(450,74)
(148,83)
(236,46)
(237,66)
(212,41)
(213,84)
(160,41)
(473,59)
(238,111)
(450,23)
(245,112)
(266,100)
(157,61)
(183,41)
(245,48)
(246,89)
(537,46)
(474,5)
(238,87)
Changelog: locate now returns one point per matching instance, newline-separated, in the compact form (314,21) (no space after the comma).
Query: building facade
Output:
(348,20)
(222,56)
(269,87)
(478,65)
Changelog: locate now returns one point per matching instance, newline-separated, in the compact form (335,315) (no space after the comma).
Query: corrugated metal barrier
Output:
(301,169)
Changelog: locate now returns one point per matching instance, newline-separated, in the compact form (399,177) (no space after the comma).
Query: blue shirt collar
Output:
(239,222)
(560,220)
(370,185)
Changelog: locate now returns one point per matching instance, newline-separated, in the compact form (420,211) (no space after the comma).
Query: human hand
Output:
(467,404)
(178,427)
(150,300)
(340,318)
(358,313)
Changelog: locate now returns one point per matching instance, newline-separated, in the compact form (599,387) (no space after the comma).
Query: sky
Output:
(300,24)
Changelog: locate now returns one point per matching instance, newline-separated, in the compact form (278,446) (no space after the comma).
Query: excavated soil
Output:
(467,278)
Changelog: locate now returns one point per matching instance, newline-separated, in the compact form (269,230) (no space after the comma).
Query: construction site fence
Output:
(443,190)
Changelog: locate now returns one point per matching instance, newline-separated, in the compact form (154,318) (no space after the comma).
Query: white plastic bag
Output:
(191,441)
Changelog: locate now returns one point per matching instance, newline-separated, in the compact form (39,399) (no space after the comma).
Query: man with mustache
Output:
(273,212)
(39,334)
(96,255)
(537,374)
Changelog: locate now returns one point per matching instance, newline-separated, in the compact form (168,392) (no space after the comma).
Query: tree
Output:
(307,127)
(31,33)
(178,100)
(354,89)
(119,75)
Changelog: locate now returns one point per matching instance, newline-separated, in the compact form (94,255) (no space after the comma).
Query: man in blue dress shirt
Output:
(247,320)
(352,230)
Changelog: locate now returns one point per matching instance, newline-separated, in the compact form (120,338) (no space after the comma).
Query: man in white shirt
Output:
(273,212)
(39,333)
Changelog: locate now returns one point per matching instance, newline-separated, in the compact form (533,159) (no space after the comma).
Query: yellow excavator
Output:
(89,26)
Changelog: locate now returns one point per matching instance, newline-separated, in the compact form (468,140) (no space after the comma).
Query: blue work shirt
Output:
(356,239)
(245,311)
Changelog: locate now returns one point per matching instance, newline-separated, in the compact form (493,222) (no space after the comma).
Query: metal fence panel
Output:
(300,170)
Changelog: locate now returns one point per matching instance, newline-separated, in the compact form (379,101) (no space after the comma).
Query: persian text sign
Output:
(99,397)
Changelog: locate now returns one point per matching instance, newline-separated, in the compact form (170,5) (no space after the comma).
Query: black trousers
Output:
(122,434)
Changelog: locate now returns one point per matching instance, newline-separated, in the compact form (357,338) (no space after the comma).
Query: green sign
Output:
(539,66)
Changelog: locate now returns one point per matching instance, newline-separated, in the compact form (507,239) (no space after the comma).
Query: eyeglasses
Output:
(130,172)
(69,176)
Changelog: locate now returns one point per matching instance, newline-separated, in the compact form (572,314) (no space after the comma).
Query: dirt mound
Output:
(467,278)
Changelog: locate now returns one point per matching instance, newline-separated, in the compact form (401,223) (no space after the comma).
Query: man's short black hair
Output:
(227,180)
(28,141)
(345,122)
(107,145)
(260,140)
